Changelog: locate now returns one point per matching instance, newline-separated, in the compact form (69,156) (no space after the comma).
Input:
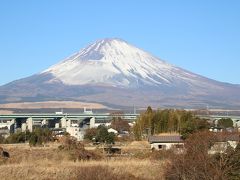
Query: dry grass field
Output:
(50,163)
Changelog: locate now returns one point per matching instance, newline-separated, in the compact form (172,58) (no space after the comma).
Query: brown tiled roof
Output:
(229,137)
(169,138)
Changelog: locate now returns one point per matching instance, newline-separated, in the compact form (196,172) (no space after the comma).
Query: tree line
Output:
(37,137)
(168,120)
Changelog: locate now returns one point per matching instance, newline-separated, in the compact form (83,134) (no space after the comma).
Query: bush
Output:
(33,140)
(2,139)
(90,134)
(196,163)
(76,150)
(18,137)
(225,123)
(104,136)
(37,137)
(40,136)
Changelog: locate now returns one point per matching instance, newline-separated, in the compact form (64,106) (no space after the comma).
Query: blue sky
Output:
(202,36)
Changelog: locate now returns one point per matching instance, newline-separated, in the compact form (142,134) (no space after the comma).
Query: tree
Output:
(34,140)
(110,139)
(230,162)
(18,137)
(168,120)
(37,137)
(120,125)
(90,134)
(225,123)
(104,136)
(149,110)
(2,139)
(102,133)
(197,163)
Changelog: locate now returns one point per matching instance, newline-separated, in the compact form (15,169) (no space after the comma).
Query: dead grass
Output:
(50,163)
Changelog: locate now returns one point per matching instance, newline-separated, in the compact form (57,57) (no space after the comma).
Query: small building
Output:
(215,129)
(223,142)
(166,142)
(75,132)
(4,132)
(112,130)
(58,132)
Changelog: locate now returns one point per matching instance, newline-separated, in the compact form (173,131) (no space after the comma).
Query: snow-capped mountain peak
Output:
(114,73)
(114,62)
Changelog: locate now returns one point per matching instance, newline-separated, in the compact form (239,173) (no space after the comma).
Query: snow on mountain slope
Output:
(115,73)
(114,62)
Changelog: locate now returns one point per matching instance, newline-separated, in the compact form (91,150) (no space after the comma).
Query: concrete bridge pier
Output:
(68,123)
(30,124)
(24,127)
(63,122)
(92,122)
(44,122)
(12,125)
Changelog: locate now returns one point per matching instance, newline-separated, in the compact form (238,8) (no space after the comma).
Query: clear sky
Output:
(202,36)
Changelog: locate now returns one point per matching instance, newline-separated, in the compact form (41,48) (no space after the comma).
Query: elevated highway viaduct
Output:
(28,121)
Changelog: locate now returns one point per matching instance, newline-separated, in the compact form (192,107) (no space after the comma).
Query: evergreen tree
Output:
(167,120)
(225,123)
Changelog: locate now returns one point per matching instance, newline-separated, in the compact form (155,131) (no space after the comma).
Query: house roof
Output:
(168,138)
(229,137)
(112,130)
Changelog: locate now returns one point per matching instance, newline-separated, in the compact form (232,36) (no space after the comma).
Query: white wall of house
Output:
(112,130)
(75,132)
(24,127)
(233,144)
(104,124)
(165,146)
(221,147)
(7,123)
(63,122)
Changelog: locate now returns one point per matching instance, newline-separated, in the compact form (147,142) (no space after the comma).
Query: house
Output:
(223,142)
(58,132)
(112,130)
(75,132)
(166,142)
(4,132)
(123,134)
(215,129)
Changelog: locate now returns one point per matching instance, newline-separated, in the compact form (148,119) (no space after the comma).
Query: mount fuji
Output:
(117,74)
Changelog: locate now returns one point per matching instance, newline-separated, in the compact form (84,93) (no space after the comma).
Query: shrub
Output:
(90,134)
(225,123)
(76,150)
(196,163)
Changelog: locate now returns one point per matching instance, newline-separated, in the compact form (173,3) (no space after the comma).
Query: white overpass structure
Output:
(58,120)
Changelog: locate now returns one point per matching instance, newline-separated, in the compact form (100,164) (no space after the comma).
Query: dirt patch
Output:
(51,104)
